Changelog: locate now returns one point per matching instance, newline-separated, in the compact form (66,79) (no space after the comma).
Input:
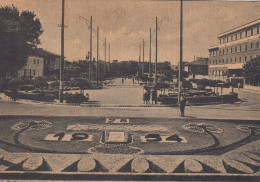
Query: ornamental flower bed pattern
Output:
(32,124)
(199,128)
(248,128)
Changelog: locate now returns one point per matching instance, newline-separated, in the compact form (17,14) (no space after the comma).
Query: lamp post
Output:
(62,54)
(180,64)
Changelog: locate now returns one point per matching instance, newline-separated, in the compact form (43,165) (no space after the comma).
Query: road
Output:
(128,94)
(117,92)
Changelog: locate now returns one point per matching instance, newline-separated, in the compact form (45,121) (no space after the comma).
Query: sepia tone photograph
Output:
(129,90)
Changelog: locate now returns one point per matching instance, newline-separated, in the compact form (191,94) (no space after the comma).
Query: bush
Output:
(26,87)
(230,97)
(205,99)
(75,98)
(31,96)
(4,84)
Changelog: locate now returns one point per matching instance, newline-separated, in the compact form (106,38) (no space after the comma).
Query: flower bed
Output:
(115,149)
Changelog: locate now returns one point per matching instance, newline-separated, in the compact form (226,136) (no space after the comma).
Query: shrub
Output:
(75,98)
(26,87)
(31,96)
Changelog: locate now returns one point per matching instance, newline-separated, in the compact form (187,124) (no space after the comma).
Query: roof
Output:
(43,53)
(250,24)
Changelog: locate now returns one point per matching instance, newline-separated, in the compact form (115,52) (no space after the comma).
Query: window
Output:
(257,45)
(240,59)
(236,37)
(230,60)
(246,33)
(240,48)
(226,50)
(223,52)
(251,45)
(245,47)
(235,48)
(37,61)
(33,61)
(219,41)
(34,72)
(245,58)
(257,30)
(252,32)
(235,60)
(241,35)
(223,61)
(231,50)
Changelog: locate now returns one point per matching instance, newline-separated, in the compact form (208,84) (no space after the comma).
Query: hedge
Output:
(75,98)
(31,96)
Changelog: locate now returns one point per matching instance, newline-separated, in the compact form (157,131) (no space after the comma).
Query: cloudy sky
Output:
(125,23)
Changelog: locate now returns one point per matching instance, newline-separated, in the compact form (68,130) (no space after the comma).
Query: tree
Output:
(41,83)
(19,34)
(82,84)
(251,70)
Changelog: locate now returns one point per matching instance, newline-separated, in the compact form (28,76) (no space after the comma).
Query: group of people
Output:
(147,96)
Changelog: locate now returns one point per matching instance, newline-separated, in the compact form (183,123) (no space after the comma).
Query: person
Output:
(133,80)
(182,104)
(154,96)
(122,80)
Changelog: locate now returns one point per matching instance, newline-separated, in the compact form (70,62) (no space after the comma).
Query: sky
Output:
(125,23)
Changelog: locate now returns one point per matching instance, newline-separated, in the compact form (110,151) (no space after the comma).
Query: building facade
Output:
(235,47)
(33,68)
(199,66)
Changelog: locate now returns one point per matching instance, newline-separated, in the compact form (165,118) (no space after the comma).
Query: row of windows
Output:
(240,35)
(36,60)
(219,73)
(29,72)
(231,60)
(234,49)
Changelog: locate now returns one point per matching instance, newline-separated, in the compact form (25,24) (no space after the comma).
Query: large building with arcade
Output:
(235,47)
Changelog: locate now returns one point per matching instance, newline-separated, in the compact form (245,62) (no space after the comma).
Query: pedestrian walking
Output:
(182,104)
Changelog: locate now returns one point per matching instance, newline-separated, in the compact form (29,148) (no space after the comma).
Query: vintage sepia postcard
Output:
(129,90)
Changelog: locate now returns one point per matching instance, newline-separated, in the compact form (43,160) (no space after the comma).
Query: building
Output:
(115,61)
(50,59)
(33,68)
(39,61)
(199,66)
(235,47)
(175,67)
